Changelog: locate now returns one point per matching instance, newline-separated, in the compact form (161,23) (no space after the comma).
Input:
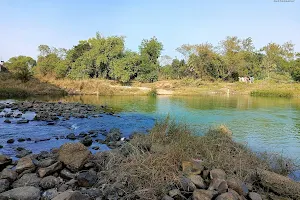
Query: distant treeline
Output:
(107,57)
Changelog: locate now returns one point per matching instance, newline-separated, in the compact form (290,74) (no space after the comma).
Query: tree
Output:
(21,67)
(150,51)
(125,68)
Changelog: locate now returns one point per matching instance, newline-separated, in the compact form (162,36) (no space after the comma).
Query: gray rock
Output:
(203,194)
(92,192)
(46,162)
(63,188)
(71,195)
(87,141)
(254,196)
(74,155)
(238,186)
(24,163)
(4,161)
(215,183)
(27,180)
(71,136)
(23,153)
(87,178)
(10,141)
(223,187)
(113,135)
(49,182)
(7,121)
(167,197)
(50,169)
(217,173)
(198,181)
(49,194)
(9,174)
(22,121)
(226,196)
(4,185)
(66,174)
(175,193)
(187,185)
(21,140)
(22,193)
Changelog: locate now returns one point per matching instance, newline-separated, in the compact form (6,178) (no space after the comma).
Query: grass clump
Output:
(272,93)
(149,163)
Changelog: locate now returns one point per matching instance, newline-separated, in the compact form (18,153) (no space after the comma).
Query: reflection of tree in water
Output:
(118,103)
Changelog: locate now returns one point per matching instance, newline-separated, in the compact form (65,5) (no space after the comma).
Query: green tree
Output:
(21,67)
(150,51)
(125,69)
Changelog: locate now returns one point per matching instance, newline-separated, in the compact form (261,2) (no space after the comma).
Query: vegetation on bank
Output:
(150,163)
(108,58)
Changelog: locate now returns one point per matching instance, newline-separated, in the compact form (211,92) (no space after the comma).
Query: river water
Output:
(263,124)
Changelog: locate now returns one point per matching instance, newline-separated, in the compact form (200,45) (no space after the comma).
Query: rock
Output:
(10,141)
(71,195)
(4,185)
(22,193)
(74,155)
(187,185)
(279,184)
(23,153)
(226,196)
(7,121)
(25,163)
(198,181)
(1,146)
(217,173)
(82,134)
(71,136)
(21,139)
(92,192)
(63,188)
(27,180)
(203,194)
(235,194)
(22,121)
(49,194)
(50,170)
(66,174)
(166,197)
(96,148)
(4,161)
(223,187)
(192,167)
(87,141)
(175,193)
(46,162)
(49,182)
(238,186)
(87,178)
(113,135)
(9,174)
(51,123)
(205,174)
(254,196)
(215,183)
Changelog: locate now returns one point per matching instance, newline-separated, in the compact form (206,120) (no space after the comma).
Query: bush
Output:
(296,74)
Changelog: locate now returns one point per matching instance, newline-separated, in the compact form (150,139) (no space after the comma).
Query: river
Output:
(263,124)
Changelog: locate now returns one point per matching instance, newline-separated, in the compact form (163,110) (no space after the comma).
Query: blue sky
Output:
(62,23)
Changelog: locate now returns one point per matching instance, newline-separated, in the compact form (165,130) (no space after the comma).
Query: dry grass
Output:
(149,163)
(12,88)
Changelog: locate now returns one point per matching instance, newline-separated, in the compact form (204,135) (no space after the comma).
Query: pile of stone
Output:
(50,111)
(198,183)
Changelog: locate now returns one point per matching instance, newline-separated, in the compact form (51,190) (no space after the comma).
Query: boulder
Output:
(66,174)
(87,141)
(49,194)
(238,186)
(49,182)
(198,181)
(254,196)
(71,195)
(187,185)
(22,193)
(7,121)
(10,141)
(203,195)
(192,167)
(279,184)
(71,136)
(46,162)
(23,153)
(74,155)
(25,163)
(86,178)
(217,173)
(226,196)
(30,179)
(215,183)
(50,169)
(113,135)
(4,161)
(9,174)
(4,185)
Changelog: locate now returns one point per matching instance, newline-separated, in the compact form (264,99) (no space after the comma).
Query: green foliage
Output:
(272,93)
(21,67)
(150,51)
(296,71)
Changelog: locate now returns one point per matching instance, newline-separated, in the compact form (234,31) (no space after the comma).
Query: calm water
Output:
(264,124)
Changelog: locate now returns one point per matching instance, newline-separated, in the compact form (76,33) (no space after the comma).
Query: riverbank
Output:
(168,163)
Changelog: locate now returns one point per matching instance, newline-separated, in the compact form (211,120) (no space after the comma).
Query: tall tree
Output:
(21,67)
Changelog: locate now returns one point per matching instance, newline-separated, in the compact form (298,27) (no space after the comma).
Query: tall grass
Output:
(149,163)
(272,93)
